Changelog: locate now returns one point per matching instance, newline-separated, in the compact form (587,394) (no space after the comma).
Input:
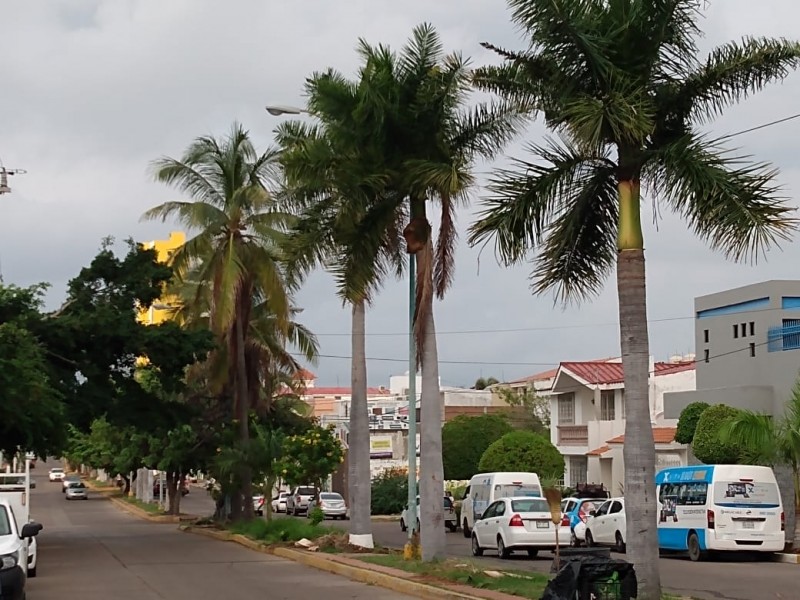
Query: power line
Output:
(762,126)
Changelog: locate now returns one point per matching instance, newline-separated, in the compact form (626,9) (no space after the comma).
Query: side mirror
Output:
(30,529)
(592,513)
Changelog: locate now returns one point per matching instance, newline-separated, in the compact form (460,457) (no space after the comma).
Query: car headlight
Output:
(9,561)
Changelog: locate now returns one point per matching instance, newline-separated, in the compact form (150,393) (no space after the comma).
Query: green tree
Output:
(687,423)
(238,230)
(523,451)
(621,85)
(528,409)
(482,384)
(308,458)
(389,492)
(465,439)
(707,443)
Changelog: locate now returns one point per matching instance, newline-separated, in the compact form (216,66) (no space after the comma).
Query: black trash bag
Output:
(587,577)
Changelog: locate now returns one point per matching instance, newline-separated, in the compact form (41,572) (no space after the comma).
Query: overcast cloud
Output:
(92,90)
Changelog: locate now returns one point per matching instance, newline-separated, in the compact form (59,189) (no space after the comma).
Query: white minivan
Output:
(706,508)
(485,488)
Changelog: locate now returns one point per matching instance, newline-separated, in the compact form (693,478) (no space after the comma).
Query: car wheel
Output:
(589,539)
(693,543)
(403,525)
(418,527)
(31,572)
(573,540)
(620,547)
(533,552)
(465,529)
(452,527)
(476,547)
(502,551)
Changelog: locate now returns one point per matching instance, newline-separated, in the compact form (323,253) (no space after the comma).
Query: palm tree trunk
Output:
(243,417)
(360,490)
(785,479)
(431,479)
(639,449)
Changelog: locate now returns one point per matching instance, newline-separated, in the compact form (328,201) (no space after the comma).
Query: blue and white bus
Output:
(706,508)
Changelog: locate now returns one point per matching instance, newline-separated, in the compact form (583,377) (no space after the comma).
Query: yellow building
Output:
(158,312)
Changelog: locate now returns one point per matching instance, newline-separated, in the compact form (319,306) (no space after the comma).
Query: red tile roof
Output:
(598,451)
(661,435)
(543,376)
(609,373)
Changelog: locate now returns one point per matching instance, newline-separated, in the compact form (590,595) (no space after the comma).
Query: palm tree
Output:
(620,83)
(430,143)
(239,230)
(334,174)
(775,443)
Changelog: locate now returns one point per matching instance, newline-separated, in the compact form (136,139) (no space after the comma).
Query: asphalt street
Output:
(93,551)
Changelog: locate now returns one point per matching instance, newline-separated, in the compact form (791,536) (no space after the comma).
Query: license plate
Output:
(542,525)
(748,525)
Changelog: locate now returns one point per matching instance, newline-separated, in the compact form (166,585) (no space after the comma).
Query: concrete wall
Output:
(750,397)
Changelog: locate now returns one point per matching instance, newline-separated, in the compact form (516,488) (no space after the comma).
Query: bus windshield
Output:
(746,494)
(512,490)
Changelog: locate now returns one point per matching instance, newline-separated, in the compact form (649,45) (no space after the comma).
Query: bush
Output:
(390,492)
(523,451)
(281,530)
(707,445)
(316,516)
(465,439)
(687,423)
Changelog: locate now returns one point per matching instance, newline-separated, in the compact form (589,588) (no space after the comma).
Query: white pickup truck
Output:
(18,547)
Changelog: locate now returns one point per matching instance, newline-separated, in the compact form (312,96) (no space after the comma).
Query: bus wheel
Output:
(693,543)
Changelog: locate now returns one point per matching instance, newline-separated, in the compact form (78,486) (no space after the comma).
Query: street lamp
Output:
(279,110)
(4,173)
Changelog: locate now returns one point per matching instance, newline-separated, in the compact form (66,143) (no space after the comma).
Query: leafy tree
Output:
(523,451)
(239,228)
(482,384)
(707,443)
(687,423)
(531,410)
(309,458)
(621,85)
(389,492)
(465,439)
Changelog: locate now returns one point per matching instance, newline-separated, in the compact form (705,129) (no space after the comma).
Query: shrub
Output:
(687,423)
(707,445)
(523,451)
(390,492)
(465,439)
(281,530)
(316,516)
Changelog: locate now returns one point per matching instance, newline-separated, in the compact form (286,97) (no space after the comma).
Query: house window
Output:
(706,357)
(622,402)
(607,412)
(744,329)
(578,467)
(566,409)
(791,334)
(752,328)
(736,331)
(705,336)
(752,349)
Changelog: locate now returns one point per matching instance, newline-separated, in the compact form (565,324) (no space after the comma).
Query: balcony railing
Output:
(573,435)
(784,337)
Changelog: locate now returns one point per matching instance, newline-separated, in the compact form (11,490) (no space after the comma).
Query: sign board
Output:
(380,446)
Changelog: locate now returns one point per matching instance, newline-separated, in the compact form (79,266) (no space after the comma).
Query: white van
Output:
(485,488)
(705,508)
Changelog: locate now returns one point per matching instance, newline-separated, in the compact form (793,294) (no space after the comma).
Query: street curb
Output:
(143,514)
(781,557)
(385,518)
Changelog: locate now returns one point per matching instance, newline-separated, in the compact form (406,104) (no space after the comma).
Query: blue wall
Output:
(790,302)
(732,309)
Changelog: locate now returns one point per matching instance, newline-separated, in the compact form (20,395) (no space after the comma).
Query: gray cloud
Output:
(95,89)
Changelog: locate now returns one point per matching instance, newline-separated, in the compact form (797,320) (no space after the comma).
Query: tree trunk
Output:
(360,485)
(785,478)
(431,480)
(243,417)
(172,493)
(639,449)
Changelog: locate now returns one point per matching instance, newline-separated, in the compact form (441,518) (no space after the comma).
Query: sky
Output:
(91,91)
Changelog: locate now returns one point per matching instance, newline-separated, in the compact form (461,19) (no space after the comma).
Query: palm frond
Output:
(444,254)
(193,215)
(757,434)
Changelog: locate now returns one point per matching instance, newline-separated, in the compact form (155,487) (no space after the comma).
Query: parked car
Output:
(578,509)
(331,503)
(607,526)
(448,512)
(298,499)
(65,483)
(76,491)
(512,524)
(157,488)
(56,474)
(258,504)
(279,502)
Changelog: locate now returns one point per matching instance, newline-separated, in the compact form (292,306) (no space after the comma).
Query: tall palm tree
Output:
(776,443)
(431,144)
(619,81)
(238,230)
(334,174)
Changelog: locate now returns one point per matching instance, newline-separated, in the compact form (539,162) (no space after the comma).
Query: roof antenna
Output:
(4,173)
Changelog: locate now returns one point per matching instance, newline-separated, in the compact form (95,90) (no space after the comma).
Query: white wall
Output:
(685,381)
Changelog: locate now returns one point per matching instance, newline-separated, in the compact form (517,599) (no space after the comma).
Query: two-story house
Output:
(587,417)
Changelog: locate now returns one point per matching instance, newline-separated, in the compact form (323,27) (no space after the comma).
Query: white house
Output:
(587,416)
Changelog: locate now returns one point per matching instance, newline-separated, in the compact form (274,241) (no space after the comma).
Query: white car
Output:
(56,474)
(279,502)
(448,515)
(332,505)
(512,524)
(258,504)
(607,525)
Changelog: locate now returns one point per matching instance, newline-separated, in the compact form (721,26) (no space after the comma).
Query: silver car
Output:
(332,505)
(298,500)
(77,491)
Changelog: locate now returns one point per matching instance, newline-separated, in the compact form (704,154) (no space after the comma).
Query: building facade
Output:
(160,310)
(747,341)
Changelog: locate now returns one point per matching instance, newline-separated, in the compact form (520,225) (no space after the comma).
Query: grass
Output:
(525,584)
(279,531)
(153,509)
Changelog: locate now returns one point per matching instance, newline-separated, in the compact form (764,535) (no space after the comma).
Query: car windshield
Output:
(76,486)
(5,525)
(514,490)
(530,505)
(331,496)
(746,494)
(305,491)
(590,505)
(56,470)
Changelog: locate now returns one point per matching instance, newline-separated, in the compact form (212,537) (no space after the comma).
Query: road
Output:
(93,551)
